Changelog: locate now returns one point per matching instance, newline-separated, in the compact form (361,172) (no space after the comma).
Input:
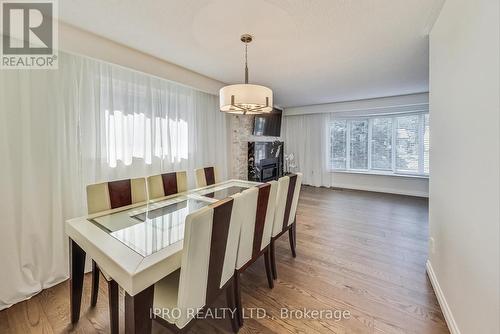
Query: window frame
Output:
(378,171)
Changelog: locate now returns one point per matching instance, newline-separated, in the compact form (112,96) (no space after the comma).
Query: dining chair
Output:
(287,199)
(206,176)
(167,184)
(256,227)
(102,197)
(207,266)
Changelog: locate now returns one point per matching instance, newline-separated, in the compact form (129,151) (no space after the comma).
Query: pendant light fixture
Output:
(246,99)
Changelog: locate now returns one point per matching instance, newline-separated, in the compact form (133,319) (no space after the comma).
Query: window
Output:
(359,145)
(407,142)
(381,144)
(426,144)
(140,126)
(338,138)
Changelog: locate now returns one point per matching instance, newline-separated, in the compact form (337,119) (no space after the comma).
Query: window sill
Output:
(415,176)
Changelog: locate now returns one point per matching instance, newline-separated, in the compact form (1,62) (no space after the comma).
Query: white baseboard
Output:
(383,190)
(450,321)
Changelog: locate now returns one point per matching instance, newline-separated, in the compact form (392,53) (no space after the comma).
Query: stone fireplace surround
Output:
(241,129)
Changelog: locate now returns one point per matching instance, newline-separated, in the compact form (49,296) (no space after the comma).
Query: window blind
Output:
(382,143)
(407,142)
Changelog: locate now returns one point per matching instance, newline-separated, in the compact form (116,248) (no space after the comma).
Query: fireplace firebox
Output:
(265,161)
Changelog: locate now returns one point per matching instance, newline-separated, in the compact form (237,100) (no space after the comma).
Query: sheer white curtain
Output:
(146,124)
(306,136)
(89,121)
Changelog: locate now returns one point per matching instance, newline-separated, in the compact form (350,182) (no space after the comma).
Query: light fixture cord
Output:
(246,63)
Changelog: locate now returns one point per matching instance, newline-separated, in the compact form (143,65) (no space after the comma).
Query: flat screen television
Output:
(268,124)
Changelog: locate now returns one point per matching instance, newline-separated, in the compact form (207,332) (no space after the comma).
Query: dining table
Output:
(137,246)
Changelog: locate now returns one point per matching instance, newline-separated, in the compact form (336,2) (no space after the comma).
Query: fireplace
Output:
(265,161)
(268,169)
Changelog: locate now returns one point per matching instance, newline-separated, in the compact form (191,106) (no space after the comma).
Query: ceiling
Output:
(307,51)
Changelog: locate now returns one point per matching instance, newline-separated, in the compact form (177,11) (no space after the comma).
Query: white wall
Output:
(464,183)
(413,186)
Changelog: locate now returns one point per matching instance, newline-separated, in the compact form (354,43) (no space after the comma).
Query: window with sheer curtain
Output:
(381,144)
(152,121)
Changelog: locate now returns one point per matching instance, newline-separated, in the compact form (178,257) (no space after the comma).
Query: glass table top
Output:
(157,215)
(226,192)
(150,228)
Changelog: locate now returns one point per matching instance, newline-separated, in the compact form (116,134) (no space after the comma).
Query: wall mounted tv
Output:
(268,124)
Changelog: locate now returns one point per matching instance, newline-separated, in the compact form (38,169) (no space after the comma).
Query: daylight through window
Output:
(381,144)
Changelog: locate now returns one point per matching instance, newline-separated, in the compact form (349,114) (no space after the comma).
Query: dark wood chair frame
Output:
(77,266)
(237,286)
(116,189)
(113,299)
(292,232)
(260,218)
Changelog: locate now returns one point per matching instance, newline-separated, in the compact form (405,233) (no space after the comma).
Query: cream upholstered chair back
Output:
(167,184)
(257,222)
(243,216)
(281,196)
(206,176)
(287,201)
(245,210)
(115,194)
(295,200)
(195,261)
(208,256)
(270,213)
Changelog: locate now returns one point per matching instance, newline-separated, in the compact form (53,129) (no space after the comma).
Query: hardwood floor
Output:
(357,251)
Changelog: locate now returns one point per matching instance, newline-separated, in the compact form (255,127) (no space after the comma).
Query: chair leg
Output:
(113,306)
(273,260)
(295,231)
(231,304)
(291,237)
(269,274)
(237,297)
(95,284)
